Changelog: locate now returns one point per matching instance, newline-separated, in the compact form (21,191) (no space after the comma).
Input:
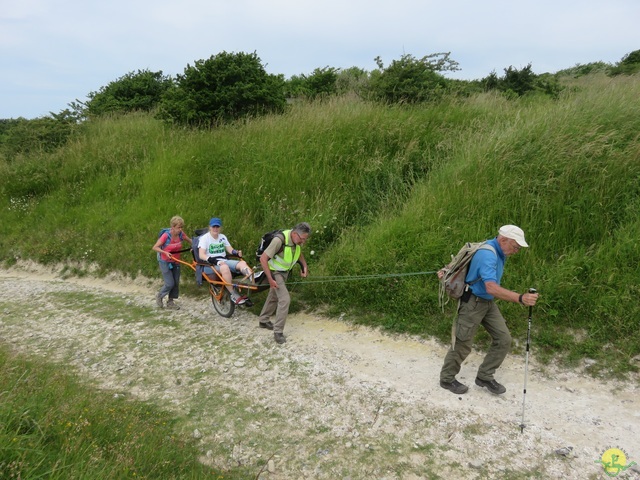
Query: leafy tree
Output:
(629,64)
(140,91)
(225,87)
(411,80)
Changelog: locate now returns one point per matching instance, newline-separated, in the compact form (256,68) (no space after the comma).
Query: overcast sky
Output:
(56,51)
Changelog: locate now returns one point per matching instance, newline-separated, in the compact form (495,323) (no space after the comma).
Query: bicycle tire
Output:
(225,307)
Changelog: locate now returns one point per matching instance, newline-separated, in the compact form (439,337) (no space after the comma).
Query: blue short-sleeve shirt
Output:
(486,266)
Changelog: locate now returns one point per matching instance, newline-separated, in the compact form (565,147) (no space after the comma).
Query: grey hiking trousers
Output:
(477,311)
(171,277)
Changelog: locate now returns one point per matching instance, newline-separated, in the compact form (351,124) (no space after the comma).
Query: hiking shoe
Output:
(171,305)
(492,386)
(454,387)
(268,325)
(279,338)
(237,299)
(159,301)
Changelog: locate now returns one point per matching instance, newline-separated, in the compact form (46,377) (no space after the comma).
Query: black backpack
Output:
(265,241)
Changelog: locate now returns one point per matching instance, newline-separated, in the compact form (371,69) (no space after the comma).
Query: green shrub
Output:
(411,80)
(321,83)
(22,137)
(223,88)
(140,91)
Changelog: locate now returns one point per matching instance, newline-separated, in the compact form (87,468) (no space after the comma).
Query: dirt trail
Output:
(351,402)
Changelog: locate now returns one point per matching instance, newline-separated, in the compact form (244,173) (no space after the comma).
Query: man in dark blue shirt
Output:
(477,307)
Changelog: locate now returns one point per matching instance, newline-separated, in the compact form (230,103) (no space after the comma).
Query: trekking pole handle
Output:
(531,290)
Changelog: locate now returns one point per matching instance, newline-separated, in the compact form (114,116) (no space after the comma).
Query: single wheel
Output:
(224,306)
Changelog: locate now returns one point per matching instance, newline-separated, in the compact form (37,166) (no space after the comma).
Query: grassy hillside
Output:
(387,190)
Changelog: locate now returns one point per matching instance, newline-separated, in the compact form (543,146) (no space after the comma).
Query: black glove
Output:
(212,260)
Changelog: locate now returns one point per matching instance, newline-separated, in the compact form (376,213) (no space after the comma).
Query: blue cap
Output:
(215,222)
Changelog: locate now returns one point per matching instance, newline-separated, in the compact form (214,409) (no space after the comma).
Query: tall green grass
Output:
(386,190)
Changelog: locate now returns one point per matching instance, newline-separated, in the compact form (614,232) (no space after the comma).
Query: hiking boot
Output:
(454,387)
(159,301)
(268,325)
(279,338)
(492,386)
(171,305)
(237,299)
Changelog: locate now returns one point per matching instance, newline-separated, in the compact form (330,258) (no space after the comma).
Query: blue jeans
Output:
(171,277)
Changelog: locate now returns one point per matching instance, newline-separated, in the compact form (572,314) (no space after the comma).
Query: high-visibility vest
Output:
(285,260)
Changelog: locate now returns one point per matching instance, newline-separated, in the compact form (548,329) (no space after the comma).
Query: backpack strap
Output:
(484,246)
(168,241)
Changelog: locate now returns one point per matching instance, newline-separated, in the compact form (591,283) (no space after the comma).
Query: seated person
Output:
(213,248)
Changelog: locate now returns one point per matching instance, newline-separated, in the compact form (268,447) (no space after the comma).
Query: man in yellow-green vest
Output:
(278,259)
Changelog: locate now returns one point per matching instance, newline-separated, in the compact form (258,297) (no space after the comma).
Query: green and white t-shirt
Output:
(214,247)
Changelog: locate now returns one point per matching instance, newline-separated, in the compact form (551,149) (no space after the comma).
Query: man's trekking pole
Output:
(526,362)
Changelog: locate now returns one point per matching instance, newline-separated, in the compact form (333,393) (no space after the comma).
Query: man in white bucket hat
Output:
(477,307)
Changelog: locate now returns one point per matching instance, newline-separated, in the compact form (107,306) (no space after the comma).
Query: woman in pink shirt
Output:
(167,245)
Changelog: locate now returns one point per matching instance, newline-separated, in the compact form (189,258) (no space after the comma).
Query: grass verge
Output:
(55,427)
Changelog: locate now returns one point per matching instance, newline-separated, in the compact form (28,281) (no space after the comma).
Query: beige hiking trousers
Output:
(277,303)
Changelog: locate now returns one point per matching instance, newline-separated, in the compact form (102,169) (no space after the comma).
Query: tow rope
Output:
(347,278)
